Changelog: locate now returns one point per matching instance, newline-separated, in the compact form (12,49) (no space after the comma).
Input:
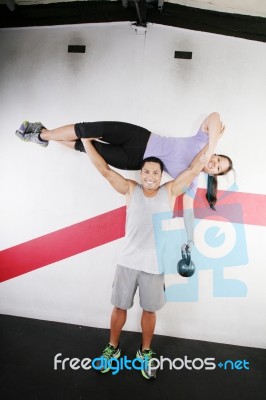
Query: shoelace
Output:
(149,355)
(108,352)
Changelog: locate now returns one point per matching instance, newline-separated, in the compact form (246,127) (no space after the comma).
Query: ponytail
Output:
(211,194)
(212,183)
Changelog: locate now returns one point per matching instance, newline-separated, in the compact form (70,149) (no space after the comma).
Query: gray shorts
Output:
(151,289)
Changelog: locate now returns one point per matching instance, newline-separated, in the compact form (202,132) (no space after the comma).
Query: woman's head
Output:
(219,164)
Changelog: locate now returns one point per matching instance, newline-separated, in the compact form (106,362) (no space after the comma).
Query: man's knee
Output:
(149,313)
(119,310)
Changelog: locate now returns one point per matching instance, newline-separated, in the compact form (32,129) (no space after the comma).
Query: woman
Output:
(124,145)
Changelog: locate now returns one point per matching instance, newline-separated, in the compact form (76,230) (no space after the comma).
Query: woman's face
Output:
(216,165)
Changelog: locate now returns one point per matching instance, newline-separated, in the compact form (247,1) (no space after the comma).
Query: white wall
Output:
(129,77)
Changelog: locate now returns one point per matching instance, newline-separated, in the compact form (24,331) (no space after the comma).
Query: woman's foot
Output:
(30,132)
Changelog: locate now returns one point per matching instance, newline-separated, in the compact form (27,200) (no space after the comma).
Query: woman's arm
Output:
(189,220)
(118,182)
(213,126)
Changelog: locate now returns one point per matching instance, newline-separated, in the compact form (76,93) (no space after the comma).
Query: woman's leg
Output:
(116,156)
(64,133)
(118,133)
(68,132)
(70,144)
(126,143)
(114,132)
(113,155)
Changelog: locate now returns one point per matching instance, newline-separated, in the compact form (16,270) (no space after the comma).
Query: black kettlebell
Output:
(185,267)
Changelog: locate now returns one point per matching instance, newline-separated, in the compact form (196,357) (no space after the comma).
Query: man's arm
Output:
(118,182)
(179,186)
(184,180)
(189,220)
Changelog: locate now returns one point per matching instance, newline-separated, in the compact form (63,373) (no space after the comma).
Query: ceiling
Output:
(245,7)
(239,18)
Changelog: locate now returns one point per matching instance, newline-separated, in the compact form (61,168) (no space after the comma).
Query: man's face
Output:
(151,175)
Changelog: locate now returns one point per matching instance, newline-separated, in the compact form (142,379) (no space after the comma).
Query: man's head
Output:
(151,170)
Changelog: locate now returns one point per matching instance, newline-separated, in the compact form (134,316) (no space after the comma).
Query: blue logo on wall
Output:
(220,244)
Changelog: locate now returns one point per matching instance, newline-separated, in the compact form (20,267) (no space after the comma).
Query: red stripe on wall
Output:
(253,207)
(107,227)
(61,244)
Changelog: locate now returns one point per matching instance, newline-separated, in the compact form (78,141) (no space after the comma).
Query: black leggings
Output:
(126,143)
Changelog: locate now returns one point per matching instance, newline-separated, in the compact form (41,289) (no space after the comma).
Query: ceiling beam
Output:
(243,26)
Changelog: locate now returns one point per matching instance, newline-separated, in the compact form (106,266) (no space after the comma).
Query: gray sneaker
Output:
(148,368)
(23,127)
(30,132)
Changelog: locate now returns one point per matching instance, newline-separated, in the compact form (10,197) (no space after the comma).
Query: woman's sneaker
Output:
(30,132)
(149,367)
(103,364)
(23,127)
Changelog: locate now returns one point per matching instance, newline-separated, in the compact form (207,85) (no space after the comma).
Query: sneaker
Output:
(23,127)
(30,132)
(149,368)
(28,127)
(103,364)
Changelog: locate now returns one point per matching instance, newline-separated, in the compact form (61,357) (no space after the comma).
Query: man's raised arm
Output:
(180,184)
(118,182)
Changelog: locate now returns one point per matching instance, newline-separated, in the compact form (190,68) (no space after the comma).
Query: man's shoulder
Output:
(132,186)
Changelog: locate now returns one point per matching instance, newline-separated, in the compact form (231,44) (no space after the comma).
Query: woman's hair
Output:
(211,194)
(152,159)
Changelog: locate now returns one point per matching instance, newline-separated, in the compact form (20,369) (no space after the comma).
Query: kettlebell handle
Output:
(186,255)
(185,266)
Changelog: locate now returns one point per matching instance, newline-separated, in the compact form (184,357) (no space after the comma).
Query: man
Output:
(137,264)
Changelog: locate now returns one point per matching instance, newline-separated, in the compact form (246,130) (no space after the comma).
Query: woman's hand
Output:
(221,131)
(214,127)
(205,158)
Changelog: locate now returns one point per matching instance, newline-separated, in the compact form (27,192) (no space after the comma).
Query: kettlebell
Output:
(185,266)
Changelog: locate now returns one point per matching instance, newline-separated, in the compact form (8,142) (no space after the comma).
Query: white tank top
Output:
(139,250)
